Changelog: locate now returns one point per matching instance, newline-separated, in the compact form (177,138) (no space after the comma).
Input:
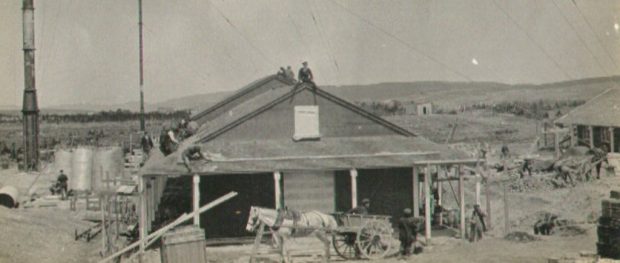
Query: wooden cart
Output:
(363,236)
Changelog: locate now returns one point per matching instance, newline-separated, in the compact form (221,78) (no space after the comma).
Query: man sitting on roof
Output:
(192,153)
(305,74)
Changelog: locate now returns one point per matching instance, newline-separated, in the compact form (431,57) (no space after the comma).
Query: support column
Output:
(277,176)
(196,198)
(416,195)
(462,201)
(143,212)
(440,196)
(487,194)
(591,133)
(556,142)
(427,205)
(612,143)
(353,187)
(478,178)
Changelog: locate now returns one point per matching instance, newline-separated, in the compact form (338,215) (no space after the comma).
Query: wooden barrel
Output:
(184,244)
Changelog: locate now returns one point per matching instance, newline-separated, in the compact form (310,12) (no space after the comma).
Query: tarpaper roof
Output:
(602,110)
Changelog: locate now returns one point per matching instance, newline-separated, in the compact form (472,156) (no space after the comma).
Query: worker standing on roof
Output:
(305,74)
(289,73)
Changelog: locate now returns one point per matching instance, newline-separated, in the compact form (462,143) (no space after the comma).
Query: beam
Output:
(446,162)
(478,191)
(277,176)
(319,157)
(574,134)
(427,205)
(591,137)
(143,212)
(461,201)
(487,193)
(353,173)
(196,198)
(440,197)
(416,196)
(506,211)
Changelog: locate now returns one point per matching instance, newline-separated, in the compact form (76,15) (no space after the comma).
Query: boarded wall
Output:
(309,190)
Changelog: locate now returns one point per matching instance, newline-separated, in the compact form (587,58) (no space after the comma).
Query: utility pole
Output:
(30,109)
(142,125)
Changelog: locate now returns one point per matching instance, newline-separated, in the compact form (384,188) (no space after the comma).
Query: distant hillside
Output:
(448,95)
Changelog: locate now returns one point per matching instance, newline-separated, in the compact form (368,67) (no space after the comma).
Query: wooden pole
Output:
(612,143)
(440,197)
(462,202)
(506,212)
(427,205)
(573,134)
(143,234)
(277,176)
(416,196)
(487,194)
(556,140)
(104,234)
(591,139)
(196,198)
(477,189)
(353,187)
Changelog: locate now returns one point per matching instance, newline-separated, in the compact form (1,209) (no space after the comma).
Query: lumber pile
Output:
(608,245)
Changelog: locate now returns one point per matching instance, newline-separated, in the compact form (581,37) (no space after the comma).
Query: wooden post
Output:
(416,196)
(506,214)
(487,194)
(277,176)
(612,143)
(440,197)
(556,140)
(196,198)
(591,133)
(104,231)
(353,187)
(477,189)
(573,134)
(143,234)
(462,201)
(427,205)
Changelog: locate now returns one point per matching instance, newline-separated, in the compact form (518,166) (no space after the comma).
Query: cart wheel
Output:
(344,244)
(374,239)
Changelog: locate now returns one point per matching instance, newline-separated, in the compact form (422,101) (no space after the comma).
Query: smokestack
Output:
(30,109)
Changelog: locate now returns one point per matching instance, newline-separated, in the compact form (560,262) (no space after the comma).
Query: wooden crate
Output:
(184,244)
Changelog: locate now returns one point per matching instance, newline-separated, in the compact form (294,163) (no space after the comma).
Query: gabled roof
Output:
(267,100)
(602,110)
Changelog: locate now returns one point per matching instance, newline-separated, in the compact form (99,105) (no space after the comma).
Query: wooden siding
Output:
(309,190)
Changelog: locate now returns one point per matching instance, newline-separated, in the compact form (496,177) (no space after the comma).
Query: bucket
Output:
(82,169)
(184,244)
(9,196)
(106,161)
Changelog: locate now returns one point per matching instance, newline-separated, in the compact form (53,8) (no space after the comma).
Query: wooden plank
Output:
(487,193)
(416,198)
(277,177)
(143,212)
(506,211)
(440,198)
(458,161)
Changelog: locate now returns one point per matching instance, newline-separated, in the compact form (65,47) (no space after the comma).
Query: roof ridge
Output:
(586,103)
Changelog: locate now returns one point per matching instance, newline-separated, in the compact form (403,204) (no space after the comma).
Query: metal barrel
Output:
(9,196)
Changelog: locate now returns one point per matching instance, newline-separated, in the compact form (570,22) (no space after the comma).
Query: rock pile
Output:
(608,230)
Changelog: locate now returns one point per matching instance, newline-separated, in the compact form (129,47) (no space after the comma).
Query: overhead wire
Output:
(320,28)
(403,42)
(583,42)
(598,39)
(531,39)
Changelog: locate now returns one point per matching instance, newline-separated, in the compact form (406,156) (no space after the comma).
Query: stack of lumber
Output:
(608,230)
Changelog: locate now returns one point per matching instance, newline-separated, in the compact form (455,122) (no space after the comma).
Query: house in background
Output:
(418,108)
(595,123)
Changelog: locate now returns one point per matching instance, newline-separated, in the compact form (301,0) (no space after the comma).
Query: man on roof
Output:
(192,153)
(305,74)
(289,73)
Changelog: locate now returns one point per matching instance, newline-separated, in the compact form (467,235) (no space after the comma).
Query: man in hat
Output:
(305,74)
(407,232)
(61,186)
(361,210)
(477,225)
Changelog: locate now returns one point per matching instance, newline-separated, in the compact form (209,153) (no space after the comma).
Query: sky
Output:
(87,50)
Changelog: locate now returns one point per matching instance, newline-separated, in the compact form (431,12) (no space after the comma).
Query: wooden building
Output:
(302,147)
(595,123)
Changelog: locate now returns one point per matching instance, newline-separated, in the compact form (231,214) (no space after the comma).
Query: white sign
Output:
(306,122)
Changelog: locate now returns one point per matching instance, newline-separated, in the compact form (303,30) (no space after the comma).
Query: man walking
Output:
(477,224)
(407,232)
